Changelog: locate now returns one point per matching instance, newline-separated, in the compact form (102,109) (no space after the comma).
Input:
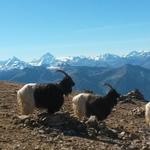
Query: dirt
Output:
(124,129)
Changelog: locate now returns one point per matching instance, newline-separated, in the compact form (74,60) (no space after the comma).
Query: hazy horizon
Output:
(61,57)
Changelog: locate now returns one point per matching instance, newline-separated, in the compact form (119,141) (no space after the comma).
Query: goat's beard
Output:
(68,91)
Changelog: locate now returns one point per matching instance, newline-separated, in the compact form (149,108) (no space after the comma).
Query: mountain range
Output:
(125,73)
(107,60)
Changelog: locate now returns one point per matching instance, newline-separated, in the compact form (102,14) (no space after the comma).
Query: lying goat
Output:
(48,96)
(147,113)
(86,104)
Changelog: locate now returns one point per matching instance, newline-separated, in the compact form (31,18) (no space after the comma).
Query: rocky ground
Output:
(124,129)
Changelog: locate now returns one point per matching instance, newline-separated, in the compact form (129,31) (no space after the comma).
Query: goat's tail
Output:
(19,103)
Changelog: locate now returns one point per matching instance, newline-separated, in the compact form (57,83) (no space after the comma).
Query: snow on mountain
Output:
(81,60)
(109,57)
(138,58)
(135,54)
(46,60)
(14,63)
(106,60)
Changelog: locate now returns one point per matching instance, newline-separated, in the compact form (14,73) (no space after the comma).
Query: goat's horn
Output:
(107,84)
(59,70)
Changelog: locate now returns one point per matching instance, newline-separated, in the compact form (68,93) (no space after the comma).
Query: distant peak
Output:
(14,58)
(133,53)
(47,55)
(109,55)
(138,53)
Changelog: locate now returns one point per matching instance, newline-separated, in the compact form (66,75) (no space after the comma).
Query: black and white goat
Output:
(87,104)
(48,96)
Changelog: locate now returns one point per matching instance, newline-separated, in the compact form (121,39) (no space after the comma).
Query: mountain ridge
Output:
(105,60)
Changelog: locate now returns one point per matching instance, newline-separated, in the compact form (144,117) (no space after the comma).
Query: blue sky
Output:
(30,28)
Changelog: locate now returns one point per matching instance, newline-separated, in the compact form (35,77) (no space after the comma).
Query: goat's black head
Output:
(67,83)
(112,93)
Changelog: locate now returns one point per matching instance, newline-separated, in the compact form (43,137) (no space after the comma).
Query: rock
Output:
(113,130)
(122,134)
(145,147)
(18,119)
(41,131)
(148,143)
(92,132)
(27,121)
(37,148)
(135,94)
(139,112)
(133,147)
(23,117)
(92,122)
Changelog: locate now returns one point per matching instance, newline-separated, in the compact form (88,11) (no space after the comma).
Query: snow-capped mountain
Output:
(14,63)
(136,54)
(81,61)
(138,58)
(45,60)
(106,60)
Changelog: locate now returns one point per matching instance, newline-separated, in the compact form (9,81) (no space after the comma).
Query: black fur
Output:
(51,96)
(101,107)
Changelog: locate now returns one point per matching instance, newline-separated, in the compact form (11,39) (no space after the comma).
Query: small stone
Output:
(43,136)
(18,145)
(23,117)
(24,148)
(113,130)
(27,121)
(37,148)
(44,119)
(122,134)
(50,139)
(148,143)
(92,121)
(145,147)
(41,131)
(133,147)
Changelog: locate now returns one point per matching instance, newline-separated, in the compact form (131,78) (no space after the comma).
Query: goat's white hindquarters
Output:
(147,113)
(79,104)
(25,99)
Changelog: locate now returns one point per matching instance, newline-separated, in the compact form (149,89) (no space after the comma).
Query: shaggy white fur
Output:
(25,99)
(147,113)
(79,104)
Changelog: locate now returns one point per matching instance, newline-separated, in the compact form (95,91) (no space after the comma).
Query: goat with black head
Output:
(48,96)
(86,105)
